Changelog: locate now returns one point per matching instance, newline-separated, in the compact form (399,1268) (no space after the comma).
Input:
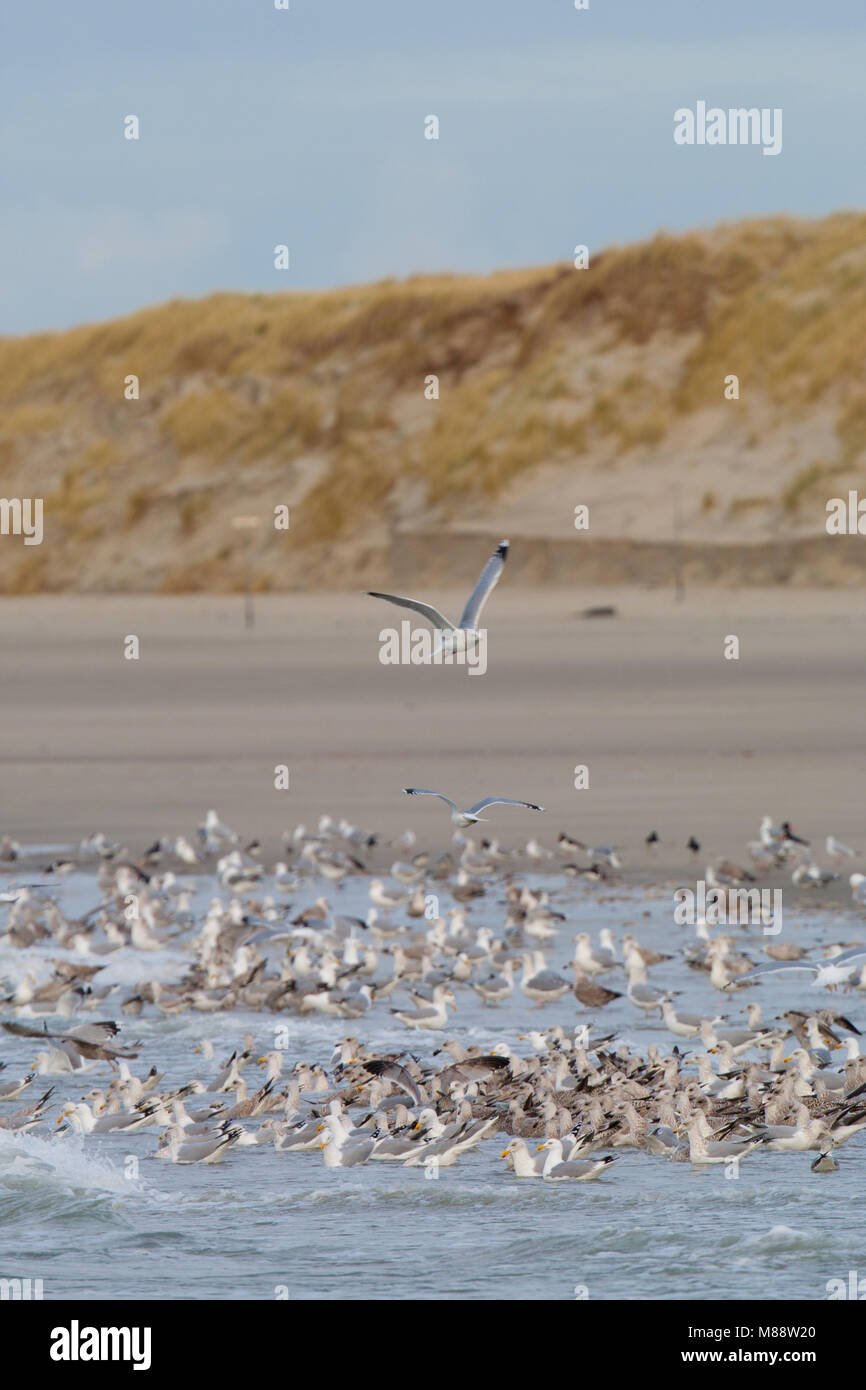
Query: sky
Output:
(305,127)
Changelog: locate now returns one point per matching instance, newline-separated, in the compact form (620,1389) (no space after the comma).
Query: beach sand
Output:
(676,738)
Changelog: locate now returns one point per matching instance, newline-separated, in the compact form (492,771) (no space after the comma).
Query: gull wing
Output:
(23,1030)
(424,791)
(197,1150)
(647,992)
(548,979)
(392,1071)
(91,1040)
(485,586)
(97,1033)
(842,1021)
(502,801)
(427,1012)
(434,617)
(776,967)
(574,1168)
(845,957)
(100,1053)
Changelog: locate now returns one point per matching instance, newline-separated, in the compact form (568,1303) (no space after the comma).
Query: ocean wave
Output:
(27,1161)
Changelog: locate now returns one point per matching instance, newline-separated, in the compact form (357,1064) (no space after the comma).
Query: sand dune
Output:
(557,387)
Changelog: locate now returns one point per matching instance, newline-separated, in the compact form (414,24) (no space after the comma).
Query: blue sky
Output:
(306,127)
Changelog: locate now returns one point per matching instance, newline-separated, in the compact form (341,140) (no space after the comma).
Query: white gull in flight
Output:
(468,623)
(470,816)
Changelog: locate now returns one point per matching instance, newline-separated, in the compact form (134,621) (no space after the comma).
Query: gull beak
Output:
(504,1153)
(260,1060)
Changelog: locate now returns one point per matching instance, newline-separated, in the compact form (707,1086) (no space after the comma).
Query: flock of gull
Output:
(560,1101)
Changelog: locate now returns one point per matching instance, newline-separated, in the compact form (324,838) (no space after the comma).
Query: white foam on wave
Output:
(62,1161)
(779,1237)
(127,967)
(15,962)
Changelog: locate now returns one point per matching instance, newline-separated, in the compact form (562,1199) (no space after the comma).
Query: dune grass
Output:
(324,392)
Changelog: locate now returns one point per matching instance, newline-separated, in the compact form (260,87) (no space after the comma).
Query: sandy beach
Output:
(676,738)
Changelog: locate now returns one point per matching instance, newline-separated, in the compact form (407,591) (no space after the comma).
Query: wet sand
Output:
(675,737)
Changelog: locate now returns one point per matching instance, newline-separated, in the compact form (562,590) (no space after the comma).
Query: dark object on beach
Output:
(652,838)
(59,866)
(693,845)
(604,610)
(789,834)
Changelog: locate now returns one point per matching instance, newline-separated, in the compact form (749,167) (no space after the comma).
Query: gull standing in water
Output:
(347,1154)
(539,983)
(471,613)
(470,816)
(525,1164)
(433,1015)
(806,1133)
(858,887)
(213,834)
(837,851)
(211,1149)
(494,988)
(579,1169)
(703,1150)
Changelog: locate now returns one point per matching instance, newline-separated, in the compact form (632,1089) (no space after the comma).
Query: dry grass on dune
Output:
(317,400)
